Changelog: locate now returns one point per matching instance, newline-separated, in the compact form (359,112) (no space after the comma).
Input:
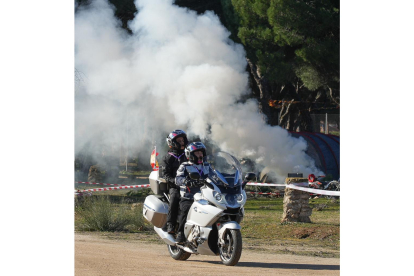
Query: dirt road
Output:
(95,255)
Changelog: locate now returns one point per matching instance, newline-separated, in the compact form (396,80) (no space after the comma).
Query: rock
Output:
(296,203)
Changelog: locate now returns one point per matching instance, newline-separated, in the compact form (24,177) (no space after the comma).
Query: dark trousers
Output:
(174,204)
(185,205)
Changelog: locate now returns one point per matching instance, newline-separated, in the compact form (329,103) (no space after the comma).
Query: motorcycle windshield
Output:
(225,172)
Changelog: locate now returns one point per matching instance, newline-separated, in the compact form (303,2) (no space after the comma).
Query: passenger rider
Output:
(176,140)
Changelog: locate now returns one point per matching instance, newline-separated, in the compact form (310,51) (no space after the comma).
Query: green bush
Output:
(100,214)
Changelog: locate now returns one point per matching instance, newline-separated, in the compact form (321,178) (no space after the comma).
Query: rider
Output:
(195,153)
(176,140)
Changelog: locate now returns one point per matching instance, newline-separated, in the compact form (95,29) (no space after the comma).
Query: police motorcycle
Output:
(213,222)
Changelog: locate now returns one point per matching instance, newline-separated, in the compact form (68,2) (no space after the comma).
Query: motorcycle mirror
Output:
(250,176)
(195,176)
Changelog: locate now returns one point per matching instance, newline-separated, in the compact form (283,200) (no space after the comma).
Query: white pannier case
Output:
(155,211)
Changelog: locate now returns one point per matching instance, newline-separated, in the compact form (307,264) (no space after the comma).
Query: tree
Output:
(293,52)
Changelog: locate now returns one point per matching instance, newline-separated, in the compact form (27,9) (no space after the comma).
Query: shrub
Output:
(100,214)
(138,222)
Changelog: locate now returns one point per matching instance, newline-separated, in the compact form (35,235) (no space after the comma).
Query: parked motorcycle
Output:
(213,222)
(319,183)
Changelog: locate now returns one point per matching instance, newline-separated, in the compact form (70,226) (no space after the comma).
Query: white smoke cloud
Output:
(177,70)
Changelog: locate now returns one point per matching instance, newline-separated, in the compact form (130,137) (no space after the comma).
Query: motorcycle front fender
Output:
(232,225)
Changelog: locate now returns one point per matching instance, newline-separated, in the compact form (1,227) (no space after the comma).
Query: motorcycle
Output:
(213,222)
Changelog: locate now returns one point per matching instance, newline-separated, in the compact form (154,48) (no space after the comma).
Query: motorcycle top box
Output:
(157,183)
(155,211)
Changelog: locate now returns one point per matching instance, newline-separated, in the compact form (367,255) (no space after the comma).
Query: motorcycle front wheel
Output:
(177,253)
(230,252)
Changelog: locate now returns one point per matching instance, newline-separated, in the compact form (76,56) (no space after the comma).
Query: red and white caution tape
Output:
(313,191)
(297,186)
(93,183)
(265,184)
(302,186)
(114,188)
(260,193)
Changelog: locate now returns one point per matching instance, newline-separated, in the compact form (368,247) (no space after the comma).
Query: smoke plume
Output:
(176,70)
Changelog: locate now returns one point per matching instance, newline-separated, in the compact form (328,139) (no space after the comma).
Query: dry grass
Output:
(262,228)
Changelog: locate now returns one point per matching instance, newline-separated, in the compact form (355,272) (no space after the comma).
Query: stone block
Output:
(296,203)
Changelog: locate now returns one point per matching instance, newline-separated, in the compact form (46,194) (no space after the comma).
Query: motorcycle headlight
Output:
(217,196)
(239,198)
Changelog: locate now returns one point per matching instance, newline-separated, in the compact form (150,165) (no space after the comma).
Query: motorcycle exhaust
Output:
(167,238)
(186,249)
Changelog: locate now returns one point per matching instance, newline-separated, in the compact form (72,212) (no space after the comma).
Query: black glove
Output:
(190,182)
(170,179)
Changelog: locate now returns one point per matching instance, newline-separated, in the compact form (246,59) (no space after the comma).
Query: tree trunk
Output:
(292,116)
(269,113)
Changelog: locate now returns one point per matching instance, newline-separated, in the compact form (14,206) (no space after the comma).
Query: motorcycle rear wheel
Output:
(177,253)
(230,253)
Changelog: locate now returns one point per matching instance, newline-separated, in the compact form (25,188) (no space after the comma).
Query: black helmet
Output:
(191,148)
(171,139)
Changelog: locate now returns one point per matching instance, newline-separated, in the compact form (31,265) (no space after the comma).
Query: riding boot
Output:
(170,228)
(165,227)
(180,237)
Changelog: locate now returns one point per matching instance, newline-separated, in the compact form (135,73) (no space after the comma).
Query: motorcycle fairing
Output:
(203,214)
